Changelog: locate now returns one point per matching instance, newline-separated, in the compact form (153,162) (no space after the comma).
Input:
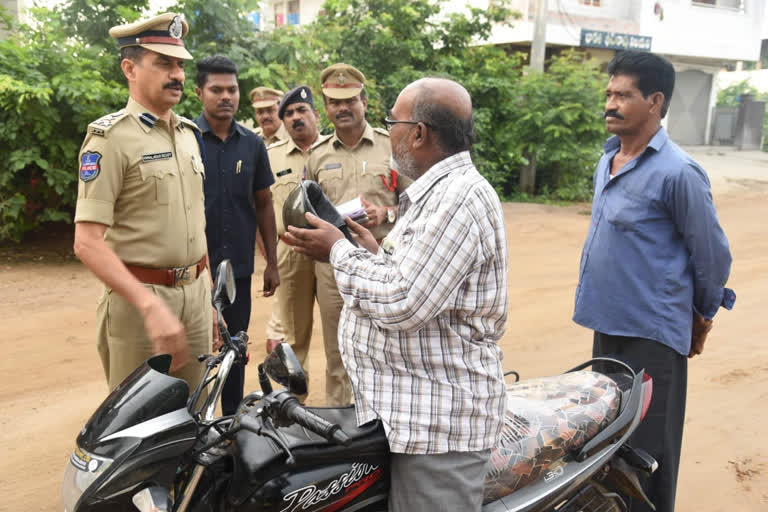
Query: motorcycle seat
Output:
(546,419)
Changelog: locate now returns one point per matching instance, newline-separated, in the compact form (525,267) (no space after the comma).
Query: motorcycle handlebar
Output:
(293,410)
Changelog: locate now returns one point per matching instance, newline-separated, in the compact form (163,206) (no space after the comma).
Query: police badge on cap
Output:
(175,29)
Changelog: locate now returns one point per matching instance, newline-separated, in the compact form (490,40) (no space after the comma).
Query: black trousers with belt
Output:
(661,432)
(237,316)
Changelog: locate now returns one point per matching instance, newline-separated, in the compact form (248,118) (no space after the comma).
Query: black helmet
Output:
(309,197)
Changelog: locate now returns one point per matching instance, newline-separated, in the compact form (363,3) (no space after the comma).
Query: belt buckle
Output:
(180,275)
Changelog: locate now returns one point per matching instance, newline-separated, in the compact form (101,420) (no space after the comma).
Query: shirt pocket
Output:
(285,181)
(160,177)
(241,182)
(331,179)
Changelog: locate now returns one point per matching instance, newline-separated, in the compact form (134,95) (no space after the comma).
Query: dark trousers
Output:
(661,432)
(237,317)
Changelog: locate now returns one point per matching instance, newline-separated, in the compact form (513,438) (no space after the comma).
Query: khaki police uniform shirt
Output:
(287,161)
(279,135)
(345,173)
(147,188)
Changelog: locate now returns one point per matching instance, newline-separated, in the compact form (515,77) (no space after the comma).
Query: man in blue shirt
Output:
(237,198)
(655,261)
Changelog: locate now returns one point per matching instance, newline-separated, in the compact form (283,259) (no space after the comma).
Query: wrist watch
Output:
(391,215)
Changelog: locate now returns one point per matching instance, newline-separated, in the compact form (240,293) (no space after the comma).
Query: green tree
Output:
(50,89)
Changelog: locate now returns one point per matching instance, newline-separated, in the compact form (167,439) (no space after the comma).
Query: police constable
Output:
(265,101)
(353,162)
(271,130)
(237,197)
(140,221)
(296,295)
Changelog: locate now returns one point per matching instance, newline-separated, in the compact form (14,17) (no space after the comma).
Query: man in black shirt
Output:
(237,198)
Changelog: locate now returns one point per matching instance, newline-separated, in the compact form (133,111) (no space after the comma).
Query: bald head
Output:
(446,107)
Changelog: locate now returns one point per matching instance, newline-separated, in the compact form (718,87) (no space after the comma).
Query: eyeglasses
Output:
(389,122)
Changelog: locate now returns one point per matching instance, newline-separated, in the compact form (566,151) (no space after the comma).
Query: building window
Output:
(593,3)
(293,12)
(733,5)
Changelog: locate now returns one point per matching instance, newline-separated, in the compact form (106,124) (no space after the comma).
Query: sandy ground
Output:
(54,379)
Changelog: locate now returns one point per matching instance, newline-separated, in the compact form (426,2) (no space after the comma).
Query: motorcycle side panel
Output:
(361,485)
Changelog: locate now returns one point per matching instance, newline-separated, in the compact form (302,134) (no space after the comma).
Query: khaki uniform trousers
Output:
(275,329)
(296,299)
(338,389)
(123,342)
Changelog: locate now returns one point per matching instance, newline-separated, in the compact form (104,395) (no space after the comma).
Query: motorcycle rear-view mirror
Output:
(283,367)
(224,291)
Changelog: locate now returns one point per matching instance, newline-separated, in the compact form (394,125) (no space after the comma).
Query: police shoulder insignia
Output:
(190,124)
(90,165)
(103,124)
(381,131)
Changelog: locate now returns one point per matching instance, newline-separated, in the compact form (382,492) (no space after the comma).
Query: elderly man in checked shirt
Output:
(423,312)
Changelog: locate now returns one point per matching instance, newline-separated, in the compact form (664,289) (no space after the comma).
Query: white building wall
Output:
(704,32)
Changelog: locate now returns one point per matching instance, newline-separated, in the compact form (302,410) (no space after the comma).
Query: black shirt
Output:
(234,170)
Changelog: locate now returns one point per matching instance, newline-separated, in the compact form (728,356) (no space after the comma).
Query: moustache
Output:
(225,104)
(344,114)
(174,84)
(613,113)
(297,124)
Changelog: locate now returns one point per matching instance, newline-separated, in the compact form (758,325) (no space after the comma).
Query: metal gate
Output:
(687,122)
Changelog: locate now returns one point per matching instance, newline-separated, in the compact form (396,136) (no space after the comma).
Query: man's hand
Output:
(315,243)
(271,279)
(377,215)
(165,332)
(701,327)
(362,236)
(260,244)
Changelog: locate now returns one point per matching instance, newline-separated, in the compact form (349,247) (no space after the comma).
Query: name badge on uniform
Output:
(156,156)
(283,173)
(89,165)
(331,166)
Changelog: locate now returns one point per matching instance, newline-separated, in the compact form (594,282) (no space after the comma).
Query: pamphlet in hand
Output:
(353,209)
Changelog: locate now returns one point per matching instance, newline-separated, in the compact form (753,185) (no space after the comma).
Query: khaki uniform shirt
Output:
(280,134)
(144,181)
(345,173)
(287,161)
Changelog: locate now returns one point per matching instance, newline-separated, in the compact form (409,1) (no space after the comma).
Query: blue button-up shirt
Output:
(235,169)
(655,251)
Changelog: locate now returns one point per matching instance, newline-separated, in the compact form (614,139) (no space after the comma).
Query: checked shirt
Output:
(421,320)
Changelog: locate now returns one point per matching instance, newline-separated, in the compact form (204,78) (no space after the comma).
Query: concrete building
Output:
(700,37)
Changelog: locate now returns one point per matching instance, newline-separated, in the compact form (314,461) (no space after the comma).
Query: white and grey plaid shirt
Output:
(421,320)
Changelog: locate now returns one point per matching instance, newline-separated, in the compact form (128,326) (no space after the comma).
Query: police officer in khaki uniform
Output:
(353,162)
(140,219)
(296,294)
(265,101)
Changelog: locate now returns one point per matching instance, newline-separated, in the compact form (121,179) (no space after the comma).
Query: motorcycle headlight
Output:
(82,470)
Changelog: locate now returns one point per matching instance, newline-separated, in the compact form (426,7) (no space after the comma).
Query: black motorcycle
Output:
(149,447)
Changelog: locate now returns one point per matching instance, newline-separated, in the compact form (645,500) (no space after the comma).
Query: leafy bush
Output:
(63,72)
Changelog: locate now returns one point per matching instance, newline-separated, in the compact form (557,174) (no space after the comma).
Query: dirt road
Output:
(54,378)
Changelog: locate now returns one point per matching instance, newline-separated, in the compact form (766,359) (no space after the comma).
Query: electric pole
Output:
(539,43)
